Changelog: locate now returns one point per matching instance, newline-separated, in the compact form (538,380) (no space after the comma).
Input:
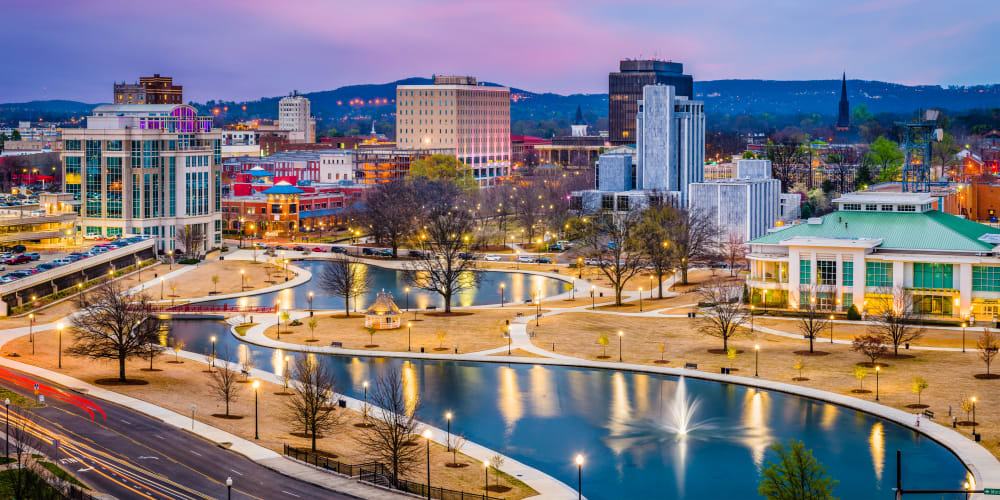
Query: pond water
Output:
(626,424)
(517,288)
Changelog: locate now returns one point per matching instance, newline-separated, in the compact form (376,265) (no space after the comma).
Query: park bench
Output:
(518,315)
(431,307)
(337,344)
(929,414)
(245,373)
(691,366)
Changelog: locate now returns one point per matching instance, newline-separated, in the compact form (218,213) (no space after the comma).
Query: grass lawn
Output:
(7,486)
(61,474)
(18,400)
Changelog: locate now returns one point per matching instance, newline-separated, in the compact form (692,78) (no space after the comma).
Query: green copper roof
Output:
(932,230)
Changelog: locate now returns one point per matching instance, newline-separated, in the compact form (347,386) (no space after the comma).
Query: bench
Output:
(518,315)
(245,373)
(431,308)
(337,344)
(691,366)
(929,414)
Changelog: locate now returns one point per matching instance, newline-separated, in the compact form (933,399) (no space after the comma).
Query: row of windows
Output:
(878,274)
(932,275)
(986,278)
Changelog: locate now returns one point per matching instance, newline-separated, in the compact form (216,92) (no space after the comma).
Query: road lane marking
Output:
(148,458)
(159,437)
(126,421)
(236,471)
(85,470)
(290,493)
(195,452)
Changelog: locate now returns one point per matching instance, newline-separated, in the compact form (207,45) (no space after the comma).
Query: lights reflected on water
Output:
(757,436)
(509,402)
(876,442)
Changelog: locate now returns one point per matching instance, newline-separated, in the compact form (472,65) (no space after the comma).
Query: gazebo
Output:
(383,314)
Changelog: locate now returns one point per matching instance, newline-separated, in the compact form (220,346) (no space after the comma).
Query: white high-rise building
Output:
(670,141)
(294,116)
(149,169)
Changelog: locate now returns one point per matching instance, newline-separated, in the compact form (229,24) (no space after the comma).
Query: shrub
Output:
(853,314)
(189,261)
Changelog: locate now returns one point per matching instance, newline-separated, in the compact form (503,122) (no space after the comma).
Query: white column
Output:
(898,275)
(793,276)
(859,280)
(964,289)
(839,289)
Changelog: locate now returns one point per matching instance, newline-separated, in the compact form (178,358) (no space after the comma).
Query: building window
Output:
(986,278)
(826,272)
(72,145)
(805,272)
(933,304)
(607,202)
(847,300)
(878,274)
(871,207)
(928,275)
(907,208)
(887,208)
(847,274)
(851,206)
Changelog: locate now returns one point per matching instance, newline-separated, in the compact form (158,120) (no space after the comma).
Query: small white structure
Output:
(383,314)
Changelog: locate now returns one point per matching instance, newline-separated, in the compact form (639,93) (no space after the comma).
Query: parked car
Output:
(383,252)
(92,236)
(367,251)
(527,259)
(555,247)
(3,267)
(61,262)
(338,250)
(298,248)
(18,249)
(281,247)
(544,260)
(319,249)
(466,256)
(46,266)
(492,258)
(416,254)
(592,261)
(17,259)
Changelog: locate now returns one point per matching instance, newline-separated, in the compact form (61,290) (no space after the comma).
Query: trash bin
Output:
(421,349)
(342,403)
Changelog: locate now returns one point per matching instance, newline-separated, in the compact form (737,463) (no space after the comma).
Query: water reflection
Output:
(542,416)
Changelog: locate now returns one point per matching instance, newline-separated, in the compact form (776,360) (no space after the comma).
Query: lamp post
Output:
(831,328)
(593,304)
(650,287)
(579,477)
(963,337)
(427,440)
(620,335)
(213,351)
(229,488)
(243,273)
(310,304)
(31,332)
(877,370)
(751,317)
(407,290)
(161,288)
(6,444)
(973,399)
(354,291)
(365,408)
(763,300)
(447,416)
(579,268)
(256,428)
(538,305)
(241,232)
(170,256)
(486,478)
(756,360)
(409,336)
(502,286)
(59,327)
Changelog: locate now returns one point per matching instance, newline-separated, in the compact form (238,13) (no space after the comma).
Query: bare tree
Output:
(813,323)
(692,236)
(894,317)
(192,237)
(389,435)
(987,346)
(345,277)
(870,346)
(612,239)
(787,157)
(111,325)
(391,210)
(311,404)
(734,249)
(444,265)
(654,238)
(224,381)
(724,313)
(26,474)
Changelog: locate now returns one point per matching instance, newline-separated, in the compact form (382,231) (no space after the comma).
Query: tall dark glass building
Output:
(625,89)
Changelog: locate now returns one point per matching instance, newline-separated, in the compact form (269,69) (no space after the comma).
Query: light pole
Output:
(241,232)
(877,370)
(751,317)
(170,256)
(256,428)
(620,335)
(427,439)
(486,478)
(355,293)
(409,335)
(243,273)
(593,304)
(365,408)
(407,290)
(6,444)
(213,352)
(973,416)
(579,268)
(831,328)
(756,359)
(31,332)
(963,337)
(447,416)
(579,477)
(538,305)
(640,299)
(60,328)
(763,300)
(310,304)
(502,286)
(229,488)
(161,288)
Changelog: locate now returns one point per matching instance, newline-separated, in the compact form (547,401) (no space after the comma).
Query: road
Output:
(129,455)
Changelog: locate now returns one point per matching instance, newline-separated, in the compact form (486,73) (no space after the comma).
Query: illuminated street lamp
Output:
(256,428)
(161,288)
(447,416)
(620,335)
(213,350)
(831,328)
(579,477)
(973,399)
(486,476)
(538,305)
(243,273)
(593,303)
(59,327)
(579,268)
(31,332)
(963,337)
(409,335)
(756,359)
(229,488)
(310,304)
(170,256)
(502,286)
(407,290)
(640,299)
(877,370)
(427,439)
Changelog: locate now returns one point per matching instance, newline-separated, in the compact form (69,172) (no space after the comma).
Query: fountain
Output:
(680,411)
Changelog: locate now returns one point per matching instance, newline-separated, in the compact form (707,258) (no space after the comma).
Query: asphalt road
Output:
(129,455)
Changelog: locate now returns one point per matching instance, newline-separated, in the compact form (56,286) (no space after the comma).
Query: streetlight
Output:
(640,299)
(213,350)
(973,416)
(756,359)
(763,300)
(407,290)
(6,444)
(229,488)
(365,385)
(486,476)
(59,327)
(620,335)
(256,428)
(502,286)
(579,268)
(161,288)
(963,337)
(538,305)
(243,273)
(751,317)
(877,370)
(579,477)
(409,336)
(593,304)
(427,439)
(31,332)
(170,255)
(310,304)
(447,416)
(831,328)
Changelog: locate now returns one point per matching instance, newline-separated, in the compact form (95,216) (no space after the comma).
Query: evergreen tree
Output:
(796,475)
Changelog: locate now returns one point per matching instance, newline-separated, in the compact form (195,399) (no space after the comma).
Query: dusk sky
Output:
(222,49)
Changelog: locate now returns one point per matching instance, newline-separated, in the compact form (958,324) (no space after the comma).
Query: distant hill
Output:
(735,97)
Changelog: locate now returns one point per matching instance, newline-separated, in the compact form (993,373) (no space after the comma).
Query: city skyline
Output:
(250,50)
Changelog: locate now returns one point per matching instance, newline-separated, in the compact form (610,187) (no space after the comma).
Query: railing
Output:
(210,308)
(380,475)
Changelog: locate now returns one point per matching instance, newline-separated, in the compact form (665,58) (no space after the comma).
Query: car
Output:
(3,267)
(46,266)
(281,247)
(544,260)
(7,278)
(61,262)
(17,259)
(6,255)
(592,261)
(527,259)
(555,247)
(466,256)
(367,251)
(18,249)
(298,248)
(338,250)
(30,271)
(492,258)
(92,236)
(319,249)
(416,254)
(383,252)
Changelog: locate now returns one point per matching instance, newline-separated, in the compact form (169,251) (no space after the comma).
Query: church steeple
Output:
(578,120)
(844,111)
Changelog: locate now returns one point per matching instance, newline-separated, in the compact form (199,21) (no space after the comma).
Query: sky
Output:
(246,49)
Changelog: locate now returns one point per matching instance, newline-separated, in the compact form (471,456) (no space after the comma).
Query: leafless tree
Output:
(224,380)
(734,249)
(192,237)
(391,210)
(529,206)
(111,325)
(345,277)
(612,238)
(870,346)
(27,476)
(892,317)
(987,346)
(654,238)
(787,157)
(723,314)
(389,435)
(314,391)
(692,236)
(813,323)
(444,266)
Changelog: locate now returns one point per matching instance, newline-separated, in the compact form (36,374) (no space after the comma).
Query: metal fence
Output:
(380,475)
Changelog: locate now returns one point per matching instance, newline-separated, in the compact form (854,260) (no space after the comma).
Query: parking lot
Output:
(44,260)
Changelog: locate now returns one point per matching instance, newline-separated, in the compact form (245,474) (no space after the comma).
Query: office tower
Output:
(154,89)
(670,141)
(294,116)
(456,113)
(625,89)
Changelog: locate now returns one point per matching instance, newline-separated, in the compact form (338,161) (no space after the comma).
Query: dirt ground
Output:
(260,275)
(177,386)
(950,375)
(844,330)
